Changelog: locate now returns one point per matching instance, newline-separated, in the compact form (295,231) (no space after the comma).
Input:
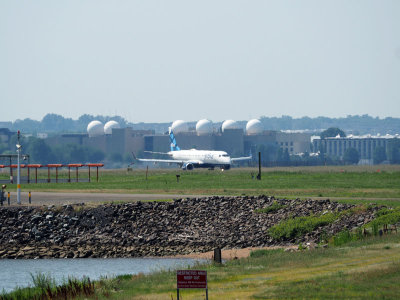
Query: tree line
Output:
(54,123)
(41,153)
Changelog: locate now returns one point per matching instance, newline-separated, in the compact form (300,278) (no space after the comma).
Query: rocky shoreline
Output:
(141,229)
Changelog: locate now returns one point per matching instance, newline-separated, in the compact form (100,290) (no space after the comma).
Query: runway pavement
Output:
(56,198)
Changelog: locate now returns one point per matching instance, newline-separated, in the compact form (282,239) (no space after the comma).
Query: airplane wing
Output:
(161,160)
(234,159)
(152,152)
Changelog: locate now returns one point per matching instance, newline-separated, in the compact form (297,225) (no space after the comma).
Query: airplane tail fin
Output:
(174,145)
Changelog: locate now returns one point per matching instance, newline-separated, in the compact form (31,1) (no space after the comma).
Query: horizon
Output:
(194,121)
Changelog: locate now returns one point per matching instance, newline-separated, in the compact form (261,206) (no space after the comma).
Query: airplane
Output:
(190,159)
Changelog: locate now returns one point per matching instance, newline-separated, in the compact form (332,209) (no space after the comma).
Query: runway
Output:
(61,198)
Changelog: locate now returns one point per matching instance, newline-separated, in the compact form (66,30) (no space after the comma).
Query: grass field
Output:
(345,182)
(368,269)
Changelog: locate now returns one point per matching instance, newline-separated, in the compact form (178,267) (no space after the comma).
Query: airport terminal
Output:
(229,137)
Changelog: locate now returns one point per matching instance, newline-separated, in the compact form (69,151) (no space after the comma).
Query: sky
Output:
(158,61)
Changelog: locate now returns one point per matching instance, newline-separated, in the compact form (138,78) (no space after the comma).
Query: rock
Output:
(158,228)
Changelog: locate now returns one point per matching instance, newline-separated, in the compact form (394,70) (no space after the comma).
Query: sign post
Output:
(191,279)
(19,170)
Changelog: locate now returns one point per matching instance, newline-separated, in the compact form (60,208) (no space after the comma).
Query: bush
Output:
(387,217)
(296,227)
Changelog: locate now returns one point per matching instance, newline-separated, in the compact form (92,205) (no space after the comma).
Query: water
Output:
(18,272)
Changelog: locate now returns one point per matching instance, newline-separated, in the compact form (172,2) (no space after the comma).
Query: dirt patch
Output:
(228,254)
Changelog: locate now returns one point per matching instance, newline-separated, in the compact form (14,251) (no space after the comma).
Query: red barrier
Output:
(56,166)
(97,170)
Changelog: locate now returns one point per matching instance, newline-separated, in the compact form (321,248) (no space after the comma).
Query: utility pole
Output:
(259,166)
(19,170)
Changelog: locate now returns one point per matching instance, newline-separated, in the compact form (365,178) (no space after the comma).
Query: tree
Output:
(332,132)
(351,156)
(116,157)
(379,154)
(56,123)
(39,151)
(95,156)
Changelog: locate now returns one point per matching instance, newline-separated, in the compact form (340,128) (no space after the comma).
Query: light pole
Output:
(19,171)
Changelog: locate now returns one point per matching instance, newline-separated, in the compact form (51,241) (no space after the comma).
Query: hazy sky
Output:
(157,61)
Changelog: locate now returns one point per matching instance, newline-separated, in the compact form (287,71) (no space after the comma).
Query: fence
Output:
(31,176)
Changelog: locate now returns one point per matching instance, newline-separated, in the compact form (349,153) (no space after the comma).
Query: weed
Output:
(274,207)
(375,229)
(301,247)
(44,287)
(42,281)
(108,285)
(264,252)
(342,237)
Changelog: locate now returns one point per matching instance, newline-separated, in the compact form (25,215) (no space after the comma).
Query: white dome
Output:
(95,128)
(179,126)
(229,124)
(254,127)
(109,126)
(204,127)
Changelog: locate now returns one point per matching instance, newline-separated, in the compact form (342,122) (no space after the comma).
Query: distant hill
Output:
(53,123)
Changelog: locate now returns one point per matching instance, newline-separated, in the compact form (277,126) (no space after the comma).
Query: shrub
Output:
(388,219)
(296,227)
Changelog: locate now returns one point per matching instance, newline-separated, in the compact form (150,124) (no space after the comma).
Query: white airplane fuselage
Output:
(190,159)
(202,158)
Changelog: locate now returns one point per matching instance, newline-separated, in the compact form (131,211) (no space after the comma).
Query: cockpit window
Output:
(225,155)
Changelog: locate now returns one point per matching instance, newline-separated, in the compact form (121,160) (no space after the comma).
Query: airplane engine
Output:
(188,167)
(226,167)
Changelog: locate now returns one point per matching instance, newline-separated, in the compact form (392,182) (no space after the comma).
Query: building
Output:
(5,135)
(365,145)
(233,141)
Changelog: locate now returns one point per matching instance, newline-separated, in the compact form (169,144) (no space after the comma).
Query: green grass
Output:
(299,182)
(360,269)
(381,201)
(342,285)
(45,287)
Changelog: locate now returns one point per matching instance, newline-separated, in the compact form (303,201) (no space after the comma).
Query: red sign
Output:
(191,279)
